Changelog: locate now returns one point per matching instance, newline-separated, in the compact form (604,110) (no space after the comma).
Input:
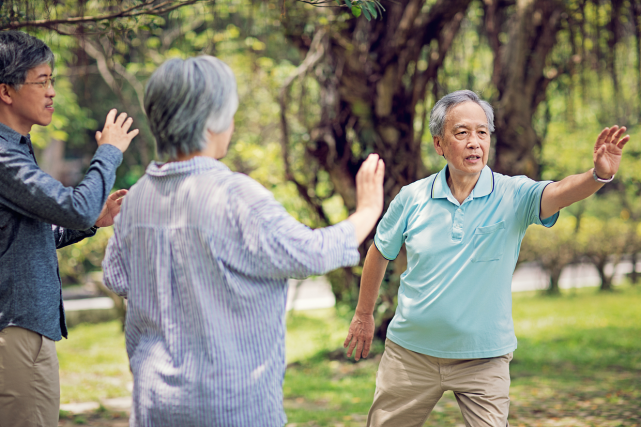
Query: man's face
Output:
(31,104)
(466,139)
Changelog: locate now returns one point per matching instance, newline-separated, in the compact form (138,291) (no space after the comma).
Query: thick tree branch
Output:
(314,55)
(146,8)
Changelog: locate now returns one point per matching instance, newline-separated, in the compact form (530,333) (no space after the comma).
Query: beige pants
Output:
(29,379)
(409,384)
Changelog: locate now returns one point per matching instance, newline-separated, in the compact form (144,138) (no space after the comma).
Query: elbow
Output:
(86,223)
(82,218)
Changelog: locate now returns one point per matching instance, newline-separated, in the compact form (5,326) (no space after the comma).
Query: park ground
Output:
(578,364)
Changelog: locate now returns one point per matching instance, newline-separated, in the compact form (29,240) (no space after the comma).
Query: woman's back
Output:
(206,254)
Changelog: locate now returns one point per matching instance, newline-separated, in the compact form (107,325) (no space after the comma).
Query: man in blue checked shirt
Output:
(37,215)
(462,229)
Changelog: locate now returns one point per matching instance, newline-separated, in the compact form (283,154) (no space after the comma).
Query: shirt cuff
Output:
(379,246)
(549,221)
(351,255)
(109,153)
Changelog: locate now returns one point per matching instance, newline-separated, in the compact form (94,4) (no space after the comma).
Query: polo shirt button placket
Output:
(457,226)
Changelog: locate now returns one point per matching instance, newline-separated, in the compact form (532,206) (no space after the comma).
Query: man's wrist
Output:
(360,312)
(599,177)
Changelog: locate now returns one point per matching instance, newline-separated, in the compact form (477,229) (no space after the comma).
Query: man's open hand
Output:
(607,151)
(116,131)
(361,333)
(111,208)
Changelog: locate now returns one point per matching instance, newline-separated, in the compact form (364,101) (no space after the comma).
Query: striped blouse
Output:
(203,256)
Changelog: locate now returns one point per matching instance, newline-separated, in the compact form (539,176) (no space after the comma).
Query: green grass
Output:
(93,363)
(578,364)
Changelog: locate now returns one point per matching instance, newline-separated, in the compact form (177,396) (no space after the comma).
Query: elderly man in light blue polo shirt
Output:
(462,228)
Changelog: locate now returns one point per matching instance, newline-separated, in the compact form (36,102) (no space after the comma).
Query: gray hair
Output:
(186,98)
(445,104)
(19,53)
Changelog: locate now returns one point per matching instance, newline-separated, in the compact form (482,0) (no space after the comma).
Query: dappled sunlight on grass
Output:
(578,364)
(311,331)
(93,363)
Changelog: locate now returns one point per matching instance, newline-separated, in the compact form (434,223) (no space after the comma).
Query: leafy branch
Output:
(10,20)
(369,8)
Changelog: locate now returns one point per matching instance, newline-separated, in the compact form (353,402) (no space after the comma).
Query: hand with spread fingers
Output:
(111,208)
(607,151)
(116,131)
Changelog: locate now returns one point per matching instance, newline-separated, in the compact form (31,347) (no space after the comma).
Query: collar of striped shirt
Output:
(193,165)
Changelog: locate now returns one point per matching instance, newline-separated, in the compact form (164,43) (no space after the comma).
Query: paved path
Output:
(316,292)
(529,277)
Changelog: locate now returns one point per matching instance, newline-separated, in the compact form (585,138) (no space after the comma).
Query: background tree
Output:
(320,88)
(603,243)
(552,250)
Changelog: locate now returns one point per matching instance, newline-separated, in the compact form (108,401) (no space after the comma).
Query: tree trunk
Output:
(553,287)
(634,274)
(606,280)
(636,17)
(370,85)
(519,78)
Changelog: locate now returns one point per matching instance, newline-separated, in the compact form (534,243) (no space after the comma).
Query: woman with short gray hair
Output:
(203,256)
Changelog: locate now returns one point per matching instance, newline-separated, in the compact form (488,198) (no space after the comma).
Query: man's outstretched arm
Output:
(361,330)
(607,157)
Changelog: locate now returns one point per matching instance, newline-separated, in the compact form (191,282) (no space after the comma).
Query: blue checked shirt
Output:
(203,256)
(37,216)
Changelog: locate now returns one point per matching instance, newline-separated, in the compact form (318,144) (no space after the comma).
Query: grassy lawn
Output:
(578,364)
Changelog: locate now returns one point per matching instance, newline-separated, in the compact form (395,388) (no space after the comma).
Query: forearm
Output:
(364,221)
(29,191)
(569,190)
(373,272)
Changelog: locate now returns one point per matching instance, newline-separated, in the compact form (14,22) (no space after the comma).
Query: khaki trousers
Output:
(409,384)
(29,379)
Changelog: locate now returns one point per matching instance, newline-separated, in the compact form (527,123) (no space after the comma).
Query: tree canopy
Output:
(324,83)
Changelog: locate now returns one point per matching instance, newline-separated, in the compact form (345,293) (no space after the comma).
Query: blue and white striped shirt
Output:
(203,256)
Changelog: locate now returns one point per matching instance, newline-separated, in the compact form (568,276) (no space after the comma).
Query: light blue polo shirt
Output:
(455,298)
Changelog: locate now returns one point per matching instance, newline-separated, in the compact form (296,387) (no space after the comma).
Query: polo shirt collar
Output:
(484,186)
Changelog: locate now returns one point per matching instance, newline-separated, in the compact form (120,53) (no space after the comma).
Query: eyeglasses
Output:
(46,84)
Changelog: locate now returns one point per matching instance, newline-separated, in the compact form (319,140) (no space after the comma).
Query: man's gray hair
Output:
(445,104)
(19,53)
(185,98)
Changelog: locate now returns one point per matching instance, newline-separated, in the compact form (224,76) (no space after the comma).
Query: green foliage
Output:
(552,249)
(76,260)
(252,37)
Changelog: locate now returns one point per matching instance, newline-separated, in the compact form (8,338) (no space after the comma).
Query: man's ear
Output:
(438,145)
(5,93)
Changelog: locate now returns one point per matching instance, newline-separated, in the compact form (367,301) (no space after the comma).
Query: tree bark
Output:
(370,85)
(519,77)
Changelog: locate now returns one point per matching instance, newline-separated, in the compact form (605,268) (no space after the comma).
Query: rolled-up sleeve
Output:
(271,243)
(116,275)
